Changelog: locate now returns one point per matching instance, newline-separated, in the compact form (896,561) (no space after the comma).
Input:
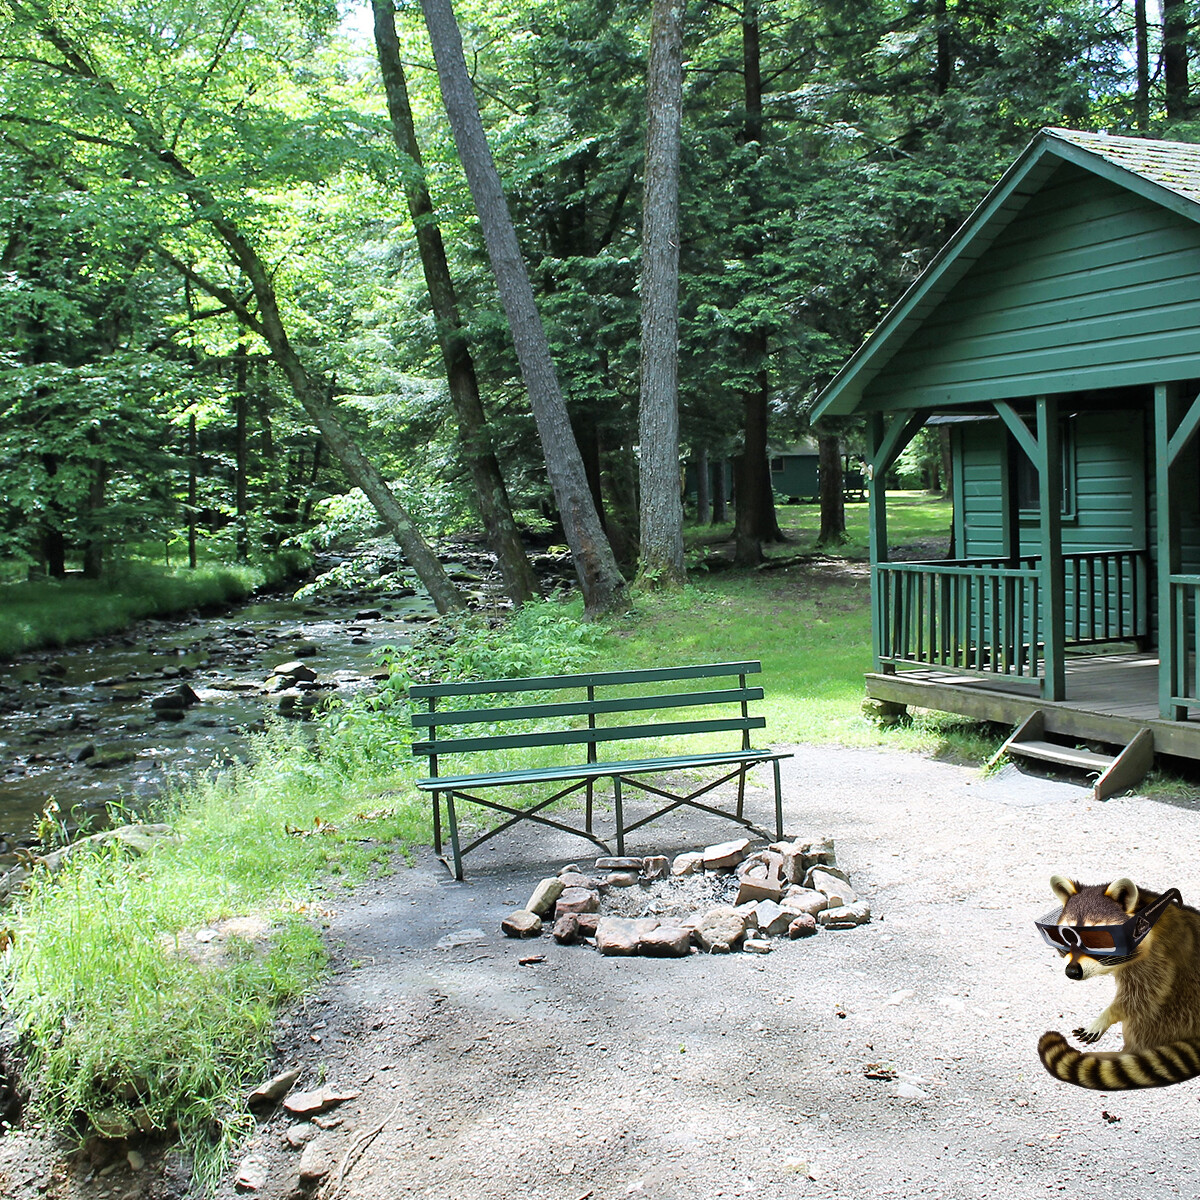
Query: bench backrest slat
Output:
(577,708)
(577,737)
(549,683)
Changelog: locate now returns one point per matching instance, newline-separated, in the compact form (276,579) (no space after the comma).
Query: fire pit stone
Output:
(720,899)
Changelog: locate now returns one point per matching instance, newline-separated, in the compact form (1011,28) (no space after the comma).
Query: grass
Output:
(115,1018)
(913,519)
(58,612)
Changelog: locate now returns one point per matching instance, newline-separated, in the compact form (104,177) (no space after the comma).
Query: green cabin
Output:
(1057,335)
(794,475)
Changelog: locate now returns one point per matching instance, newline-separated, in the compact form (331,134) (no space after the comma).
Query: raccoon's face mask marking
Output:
(1107,945)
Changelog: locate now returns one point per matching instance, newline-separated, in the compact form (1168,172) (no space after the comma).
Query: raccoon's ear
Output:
(1063,887)
(1124,892)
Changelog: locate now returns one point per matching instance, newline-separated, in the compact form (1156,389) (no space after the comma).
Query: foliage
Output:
(547,637)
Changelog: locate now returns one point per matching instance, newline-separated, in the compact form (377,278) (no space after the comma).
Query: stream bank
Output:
(105,724)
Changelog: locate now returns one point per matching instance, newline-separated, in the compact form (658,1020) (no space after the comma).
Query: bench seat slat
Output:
(578,708)
(600,770)
(580,737)
(549,683)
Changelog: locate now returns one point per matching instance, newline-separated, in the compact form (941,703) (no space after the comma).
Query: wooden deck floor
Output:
(1109,698)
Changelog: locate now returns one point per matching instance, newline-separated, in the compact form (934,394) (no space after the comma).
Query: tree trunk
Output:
(703,493)
(54,545)
(314,474)
(943,67)
(658,416)
(600,580)
(756,521)
(241,403)
(313,393)
(720,511)
(833,502)
(475,441)
(1141,42)
(193,487)
(93,550)
(1174,58)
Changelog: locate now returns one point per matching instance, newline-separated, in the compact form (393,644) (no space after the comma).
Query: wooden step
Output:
(1126,769)
(1067,756)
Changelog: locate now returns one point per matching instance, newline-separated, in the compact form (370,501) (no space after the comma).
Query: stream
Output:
(108,722)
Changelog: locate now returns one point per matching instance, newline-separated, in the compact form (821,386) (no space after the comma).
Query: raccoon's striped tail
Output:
(1112,1072)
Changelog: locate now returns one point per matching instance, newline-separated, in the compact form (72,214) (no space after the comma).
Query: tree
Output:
(475,440)
(658,421)
(833,507)
(100,110)
(600,580)
(1175,59)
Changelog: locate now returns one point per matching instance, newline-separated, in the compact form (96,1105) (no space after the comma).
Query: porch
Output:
(964,637)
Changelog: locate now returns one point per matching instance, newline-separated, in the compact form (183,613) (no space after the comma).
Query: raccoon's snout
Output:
(1074,970)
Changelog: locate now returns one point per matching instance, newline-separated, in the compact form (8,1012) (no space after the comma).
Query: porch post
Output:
(1167,546)
(876,532)
(1053,587)
(1010,509)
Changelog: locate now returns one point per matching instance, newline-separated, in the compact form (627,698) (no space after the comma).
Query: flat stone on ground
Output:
(522,923)
(667,941)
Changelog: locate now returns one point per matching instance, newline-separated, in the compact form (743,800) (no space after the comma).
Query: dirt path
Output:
(582,1076)
(743,1076)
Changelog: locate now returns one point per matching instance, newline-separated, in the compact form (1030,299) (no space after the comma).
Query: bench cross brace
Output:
(515,815)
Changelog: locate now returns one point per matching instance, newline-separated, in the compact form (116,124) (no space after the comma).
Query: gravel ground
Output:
(587,1077)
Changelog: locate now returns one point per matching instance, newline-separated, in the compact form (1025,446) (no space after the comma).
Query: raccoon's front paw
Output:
(1088,1035)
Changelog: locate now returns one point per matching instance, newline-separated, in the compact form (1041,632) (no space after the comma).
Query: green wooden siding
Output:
(1109,502)
(795,475)
(1091,286)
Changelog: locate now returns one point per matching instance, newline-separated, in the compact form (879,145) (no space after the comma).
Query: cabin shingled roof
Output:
(1172,165)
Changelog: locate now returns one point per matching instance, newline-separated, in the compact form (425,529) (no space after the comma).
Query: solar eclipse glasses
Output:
(1105,941)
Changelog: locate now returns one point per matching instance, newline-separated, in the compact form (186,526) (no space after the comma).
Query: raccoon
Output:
(1158,989)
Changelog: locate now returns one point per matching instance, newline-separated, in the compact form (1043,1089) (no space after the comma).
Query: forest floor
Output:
(578,1077)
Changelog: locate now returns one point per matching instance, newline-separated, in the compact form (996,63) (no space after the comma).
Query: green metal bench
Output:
(619,694)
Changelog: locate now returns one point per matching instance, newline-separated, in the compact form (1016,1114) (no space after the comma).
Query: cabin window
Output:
(776,464)
(1029,483)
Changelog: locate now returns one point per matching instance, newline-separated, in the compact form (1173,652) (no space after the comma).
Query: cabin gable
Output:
(1091,285)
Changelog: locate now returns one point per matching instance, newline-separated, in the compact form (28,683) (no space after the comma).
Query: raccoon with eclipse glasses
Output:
(1150,943)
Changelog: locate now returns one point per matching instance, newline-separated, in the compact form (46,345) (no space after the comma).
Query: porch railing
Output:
(1185,636)
(985,615)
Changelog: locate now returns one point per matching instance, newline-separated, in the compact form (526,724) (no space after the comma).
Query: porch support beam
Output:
(886,439)
(893,438)
(1017,428)
(1185,432)
(1166,405)
(1047,458)
(1010,503)
(877,442)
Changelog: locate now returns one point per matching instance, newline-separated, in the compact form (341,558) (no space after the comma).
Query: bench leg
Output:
(620,815)
(454,850)
(741,792)
(591,788)
(437,821)
(778,803)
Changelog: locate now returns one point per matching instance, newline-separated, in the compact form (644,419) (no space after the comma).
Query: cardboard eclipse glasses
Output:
(1105,941)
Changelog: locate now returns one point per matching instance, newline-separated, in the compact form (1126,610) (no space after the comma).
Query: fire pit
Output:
(723,898)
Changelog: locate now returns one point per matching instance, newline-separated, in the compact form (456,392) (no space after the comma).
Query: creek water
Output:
(77,726)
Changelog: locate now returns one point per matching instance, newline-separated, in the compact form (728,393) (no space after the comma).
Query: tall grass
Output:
(55,612)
